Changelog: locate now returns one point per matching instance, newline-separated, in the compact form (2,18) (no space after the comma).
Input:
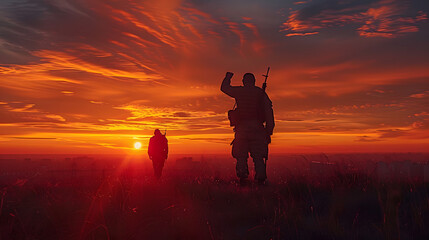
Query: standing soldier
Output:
(254,108)
(158,152)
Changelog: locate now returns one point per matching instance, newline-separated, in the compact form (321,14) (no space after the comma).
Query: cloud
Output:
(421,114)
(301,34)
(181,114)
(208,139)
(392,133)
(420,95)
(67,93)
(325,120)
(149,118)
(85,71)
(367,139)
(382,18)
(34,138)
(26,112)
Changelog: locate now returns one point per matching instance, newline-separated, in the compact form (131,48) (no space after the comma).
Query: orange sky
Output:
(95,76)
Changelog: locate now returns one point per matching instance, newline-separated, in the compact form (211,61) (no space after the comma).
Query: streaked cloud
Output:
(97,74)
(378,18)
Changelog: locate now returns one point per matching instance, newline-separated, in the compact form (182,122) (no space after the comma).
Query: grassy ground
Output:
(293,206)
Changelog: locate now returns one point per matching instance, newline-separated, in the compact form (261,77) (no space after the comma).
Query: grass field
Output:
(203,201)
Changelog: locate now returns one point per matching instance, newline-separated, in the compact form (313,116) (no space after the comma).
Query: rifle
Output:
(264,86)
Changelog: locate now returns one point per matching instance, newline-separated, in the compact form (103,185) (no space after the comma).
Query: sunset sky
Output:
(95,76)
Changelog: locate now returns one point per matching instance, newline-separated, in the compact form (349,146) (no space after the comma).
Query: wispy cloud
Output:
(98,74)
(381,18)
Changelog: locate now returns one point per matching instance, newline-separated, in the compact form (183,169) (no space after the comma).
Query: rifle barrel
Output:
(264,86)
(266,75)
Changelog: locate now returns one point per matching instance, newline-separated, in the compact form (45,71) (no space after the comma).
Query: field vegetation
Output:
(307,197)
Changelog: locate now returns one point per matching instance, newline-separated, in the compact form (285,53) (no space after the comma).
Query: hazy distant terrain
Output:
(361,196)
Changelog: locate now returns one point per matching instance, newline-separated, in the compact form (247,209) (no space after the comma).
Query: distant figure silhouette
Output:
(254,108)
(158,152)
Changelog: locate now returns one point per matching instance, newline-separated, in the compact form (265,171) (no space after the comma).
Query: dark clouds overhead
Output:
(382,18)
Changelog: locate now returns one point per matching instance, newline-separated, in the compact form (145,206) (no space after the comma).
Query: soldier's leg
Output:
(241,168)
(260,169)
(258,151)
(157,167)
(160,166)
(154,166)
(240,151)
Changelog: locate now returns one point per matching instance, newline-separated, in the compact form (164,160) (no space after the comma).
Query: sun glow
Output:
(137,145)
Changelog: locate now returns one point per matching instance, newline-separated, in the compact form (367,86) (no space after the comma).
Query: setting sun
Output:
(124,70)
(137,145)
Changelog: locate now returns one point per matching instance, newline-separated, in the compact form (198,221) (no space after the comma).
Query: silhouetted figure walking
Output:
(254,108)
(158,152)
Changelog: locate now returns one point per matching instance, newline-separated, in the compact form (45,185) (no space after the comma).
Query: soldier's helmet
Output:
(157,132)
(249,79)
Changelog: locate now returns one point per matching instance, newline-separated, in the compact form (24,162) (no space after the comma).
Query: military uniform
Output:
(251,135)
(158,152)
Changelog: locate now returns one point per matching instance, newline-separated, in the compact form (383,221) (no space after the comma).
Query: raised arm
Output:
(226,85)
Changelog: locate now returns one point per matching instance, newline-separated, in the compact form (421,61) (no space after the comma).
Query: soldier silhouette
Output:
(254,108)
(158,152)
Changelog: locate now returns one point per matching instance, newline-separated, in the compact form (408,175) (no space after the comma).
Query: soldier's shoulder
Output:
(258,89)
